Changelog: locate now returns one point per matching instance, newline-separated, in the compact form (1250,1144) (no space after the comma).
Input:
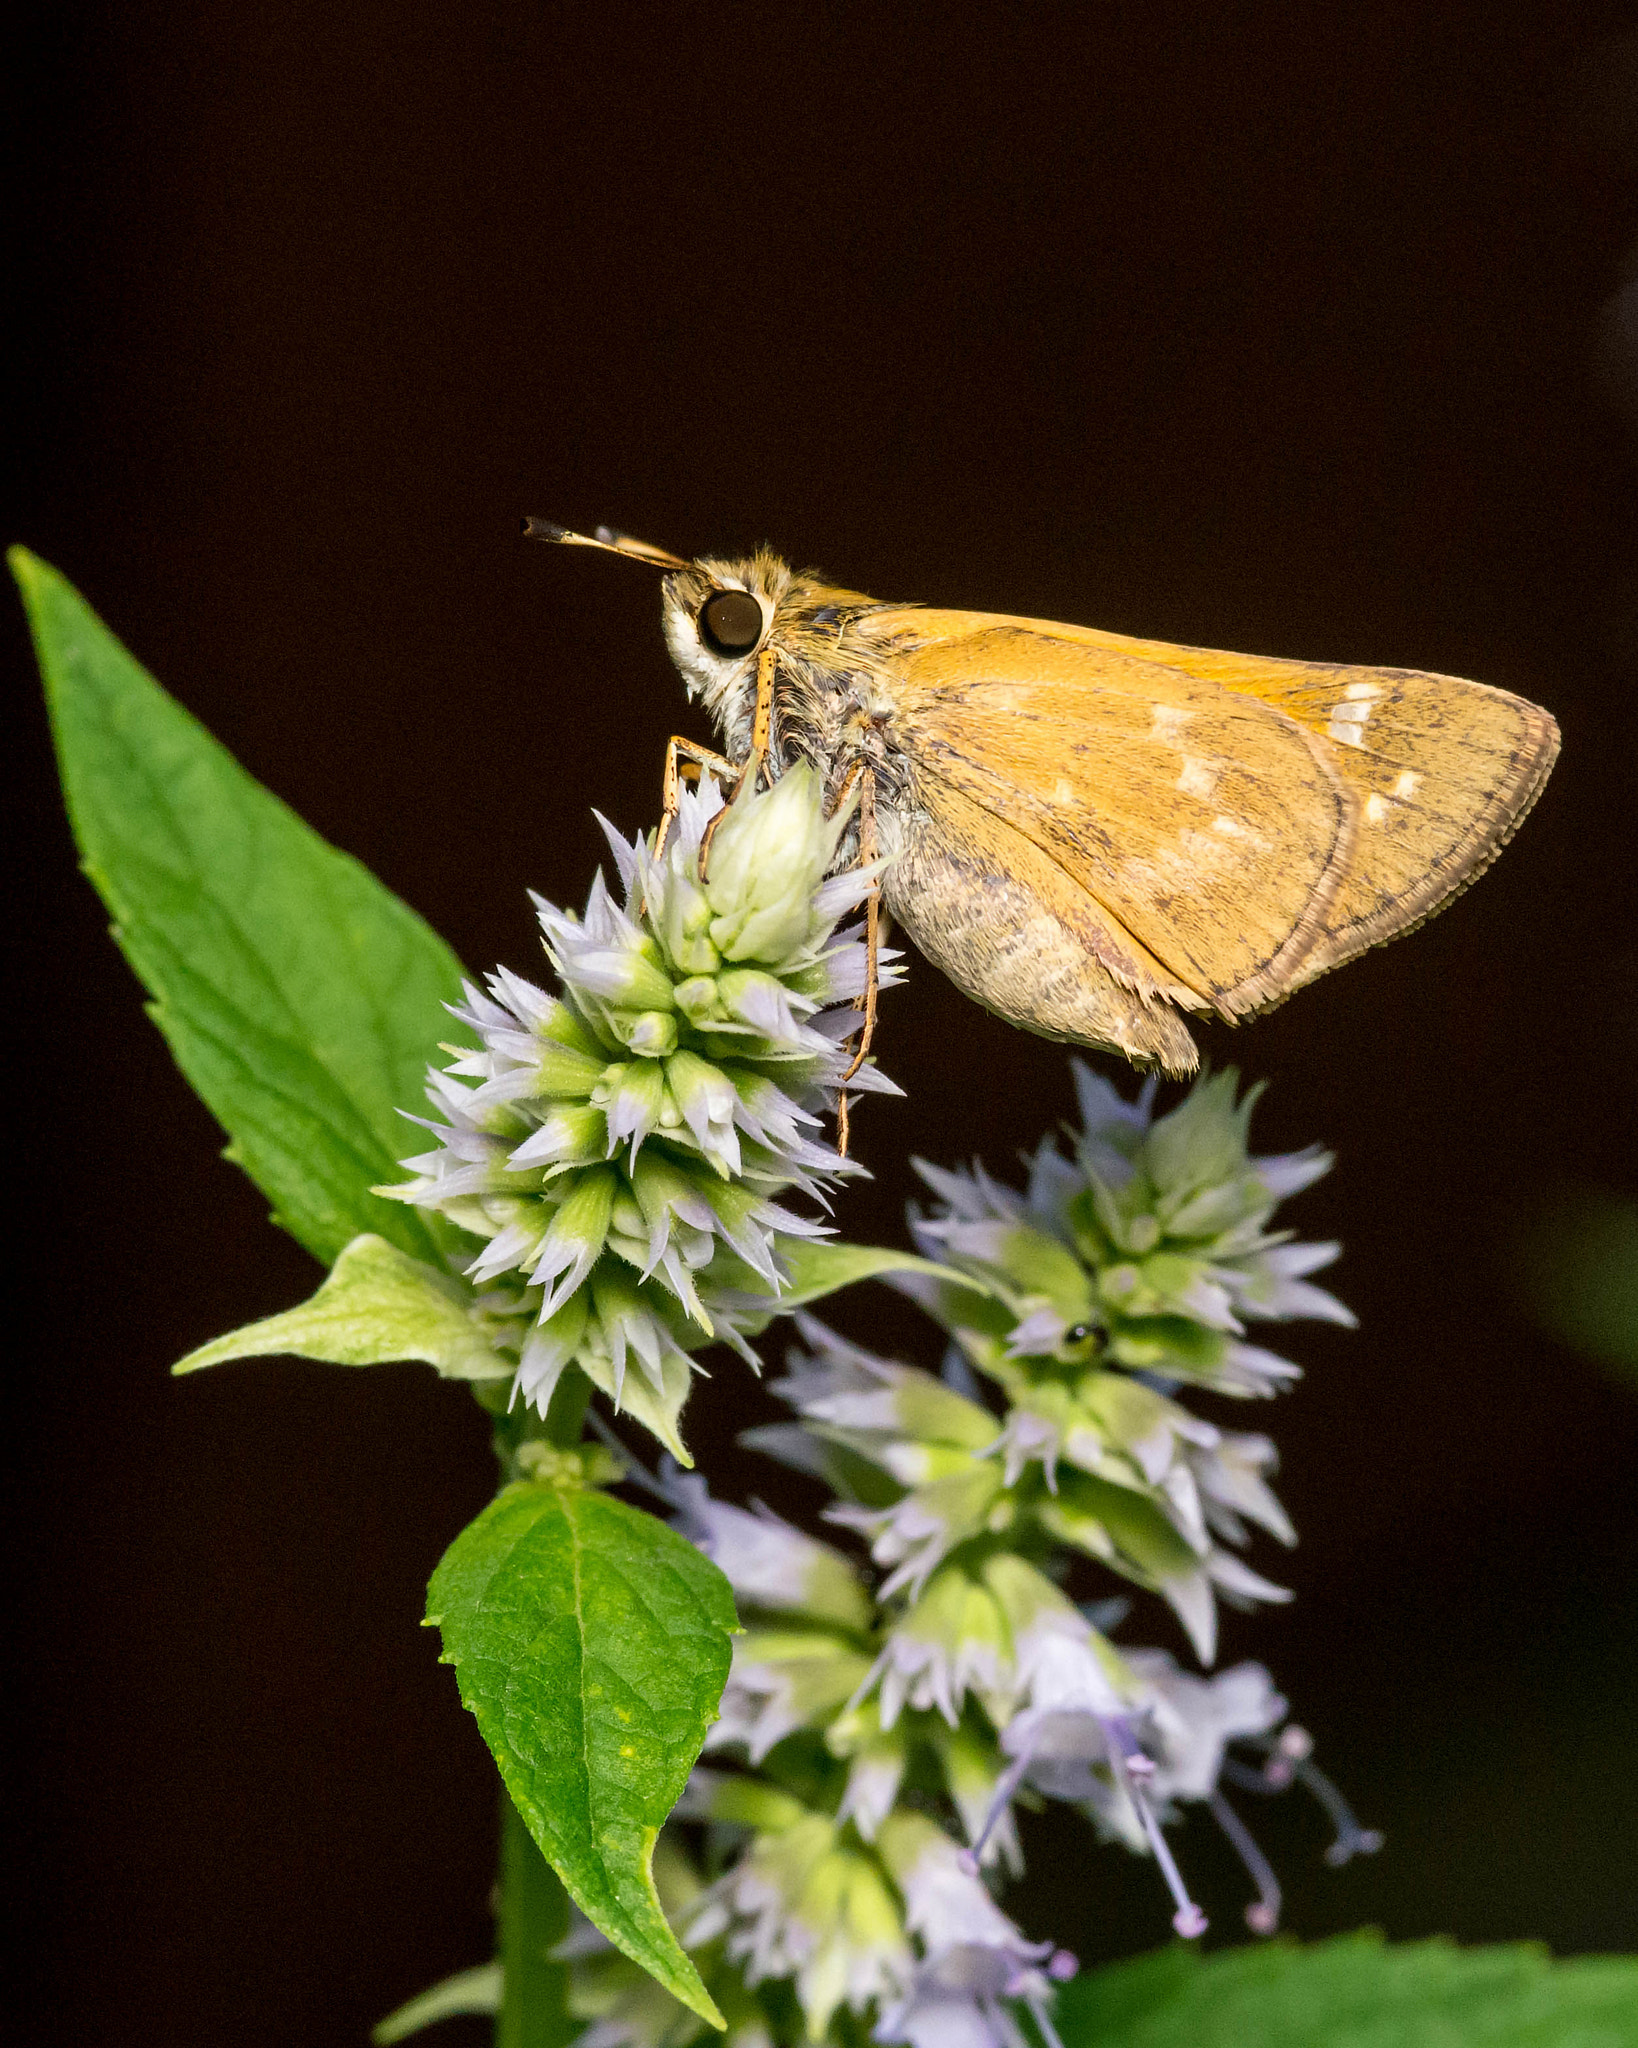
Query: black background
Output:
(1262,326)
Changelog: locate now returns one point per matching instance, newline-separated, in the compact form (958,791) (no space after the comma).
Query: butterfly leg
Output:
(683,757)
(761,733)
(873,933)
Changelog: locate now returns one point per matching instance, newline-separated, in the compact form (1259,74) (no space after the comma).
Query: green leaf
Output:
(820,1267)
(299,996)
(1354,1992)
(475,1990)
(591,1642)
(377,1307)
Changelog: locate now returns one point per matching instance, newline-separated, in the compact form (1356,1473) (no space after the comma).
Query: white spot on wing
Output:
(1063,791)
(1376,808)
(1196,777)
(1405,783)
(1169,721)
(1194,859)
(1236,828)
(1348,718)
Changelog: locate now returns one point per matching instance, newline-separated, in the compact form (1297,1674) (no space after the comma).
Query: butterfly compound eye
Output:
(731,622)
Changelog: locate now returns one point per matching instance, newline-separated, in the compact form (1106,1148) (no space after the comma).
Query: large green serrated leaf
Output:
(1354,1992)
(300,997)
(592,1644)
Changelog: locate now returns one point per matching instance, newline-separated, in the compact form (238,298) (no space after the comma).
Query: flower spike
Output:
(619,1149)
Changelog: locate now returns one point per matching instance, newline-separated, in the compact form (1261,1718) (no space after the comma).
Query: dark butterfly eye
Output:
(731,622)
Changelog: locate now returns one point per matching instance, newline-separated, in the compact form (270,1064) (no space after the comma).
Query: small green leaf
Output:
(475,1990)
(818,1267)
(300,997)
(377,1307)
(1354,1992)
(591,1642)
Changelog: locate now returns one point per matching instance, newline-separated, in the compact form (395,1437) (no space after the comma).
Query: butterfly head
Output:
(721,614)
(718,617)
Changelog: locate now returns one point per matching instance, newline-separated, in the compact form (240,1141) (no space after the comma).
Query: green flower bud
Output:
(706,1099)
(651,1033)
(562,1071)
(699,1001)
(632,1098)
(570,1134)
(684,925)
(767,860)
(625,978)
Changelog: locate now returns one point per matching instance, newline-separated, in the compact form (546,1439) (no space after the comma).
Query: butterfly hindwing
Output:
(1013,929)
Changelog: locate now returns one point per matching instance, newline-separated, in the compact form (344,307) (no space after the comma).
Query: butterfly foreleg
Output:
(684,757)
(756,759)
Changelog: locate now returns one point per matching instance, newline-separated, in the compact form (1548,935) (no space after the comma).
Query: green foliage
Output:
(533,2009)
(1354,1992)
(592,1644)
(377,1307)
(820,1266)
(1578,1271)
(299,996)
(476,1991)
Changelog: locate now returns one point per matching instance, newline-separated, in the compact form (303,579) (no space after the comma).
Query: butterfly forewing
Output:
(1444,770)
(1211,827)
(1418,778)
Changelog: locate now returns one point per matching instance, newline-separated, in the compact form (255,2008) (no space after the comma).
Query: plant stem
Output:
(566,1412)
(515,1423)
(533,1914)
(533,1919)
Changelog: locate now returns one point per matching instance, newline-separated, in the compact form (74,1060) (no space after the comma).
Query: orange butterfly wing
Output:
(1242,823)
(1445,771)
(1211,828)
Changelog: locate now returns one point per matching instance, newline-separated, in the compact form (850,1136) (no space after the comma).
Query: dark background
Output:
(1276,327)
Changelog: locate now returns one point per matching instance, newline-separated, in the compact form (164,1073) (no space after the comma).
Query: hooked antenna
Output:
(607,539)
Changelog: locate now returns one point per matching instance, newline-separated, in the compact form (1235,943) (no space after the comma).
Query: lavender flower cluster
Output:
(887,1716)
